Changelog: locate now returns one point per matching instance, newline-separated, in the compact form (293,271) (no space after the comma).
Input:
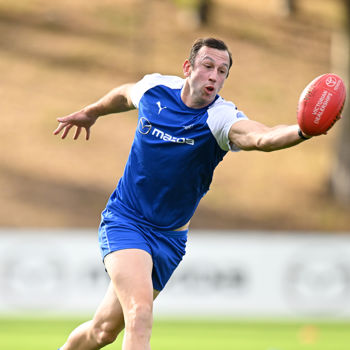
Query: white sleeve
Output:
(146,83)
(151,80)
(221,116)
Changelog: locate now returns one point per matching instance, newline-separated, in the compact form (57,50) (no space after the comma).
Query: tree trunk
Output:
(340,175)
(288,7)
(204,7)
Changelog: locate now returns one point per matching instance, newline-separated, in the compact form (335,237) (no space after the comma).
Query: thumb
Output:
(63,119)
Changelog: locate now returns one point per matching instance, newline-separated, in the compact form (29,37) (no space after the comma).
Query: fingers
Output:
(87,133)
(66,128)
(65,124)
(79,120)
(59,128)
(77,133)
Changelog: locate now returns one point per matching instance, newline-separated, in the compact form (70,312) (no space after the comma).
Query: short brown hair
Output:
(209,42)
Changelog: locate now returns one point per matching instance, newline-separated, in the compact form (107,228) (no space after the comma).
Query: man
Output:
(184,130)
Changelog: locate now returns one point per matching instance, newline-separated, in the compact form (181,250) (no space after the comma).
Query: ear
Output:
(187,68)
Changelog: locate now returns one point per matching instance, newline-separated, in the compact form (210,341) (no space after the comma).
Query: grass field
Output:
(45,334)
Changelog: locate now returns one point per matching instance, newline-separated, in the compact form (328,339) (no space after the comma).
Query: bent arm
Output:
(116,101)
(250,135)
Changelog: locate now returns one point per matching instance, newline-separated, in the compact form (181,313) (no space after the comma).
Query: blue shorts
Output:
(166,248)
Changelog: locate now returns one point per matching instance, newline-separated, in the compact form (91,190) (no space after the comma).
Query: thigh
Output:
(131,273)
(109,315)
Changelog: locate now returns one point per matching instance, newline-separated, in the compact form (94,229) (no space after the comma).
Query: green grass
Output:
(40,334)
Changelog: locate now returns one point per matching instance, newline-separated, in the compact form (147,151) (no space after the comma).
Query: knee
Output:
(104,338)
(104,334)
(139,318)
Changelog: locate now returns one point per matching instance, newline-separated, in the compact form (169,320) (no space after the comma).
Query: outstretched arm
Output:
(250,135)
(116,101)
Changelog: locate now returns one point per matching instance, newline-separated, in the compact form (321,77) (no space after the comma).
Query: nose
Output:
(213,76)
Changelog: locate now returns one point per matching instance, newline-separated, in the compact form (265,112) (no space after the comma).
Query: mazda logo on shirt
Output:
(144,126)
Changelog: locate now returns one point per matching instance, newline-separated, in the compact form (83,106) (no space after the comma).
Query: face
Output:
(206,78)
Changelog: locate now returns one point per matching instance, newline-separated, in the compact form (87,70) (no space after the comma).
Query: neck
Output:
(189,99)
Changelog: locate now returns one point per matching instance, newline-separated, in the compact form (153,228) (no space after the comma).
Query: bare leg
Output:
(134,282)
(130,271)
(103,329)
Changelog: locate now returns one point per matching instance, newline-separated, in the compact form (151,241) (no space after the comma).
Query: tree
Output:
(340,173)
(204,7)
(288,7)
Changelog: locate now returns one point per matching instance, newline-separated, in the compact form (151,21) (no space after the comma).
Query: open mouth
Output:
(209,89)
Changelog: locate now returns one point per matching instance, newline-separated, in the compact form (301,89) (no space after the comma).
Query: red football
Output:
(320,104)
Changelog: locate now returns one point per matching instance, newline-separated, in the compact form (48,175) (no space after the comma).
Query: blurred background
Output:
(56,57)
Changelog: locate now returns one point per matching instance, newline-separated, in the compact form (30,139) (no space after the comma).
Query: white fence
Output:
(234,274)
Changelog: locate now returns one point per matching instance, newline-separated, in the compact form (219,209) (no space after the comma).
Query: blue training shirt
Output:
(174,154)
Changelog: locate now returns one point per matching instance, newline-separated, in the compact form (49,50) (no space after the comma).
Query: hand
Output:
(303,135)
(80,119)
